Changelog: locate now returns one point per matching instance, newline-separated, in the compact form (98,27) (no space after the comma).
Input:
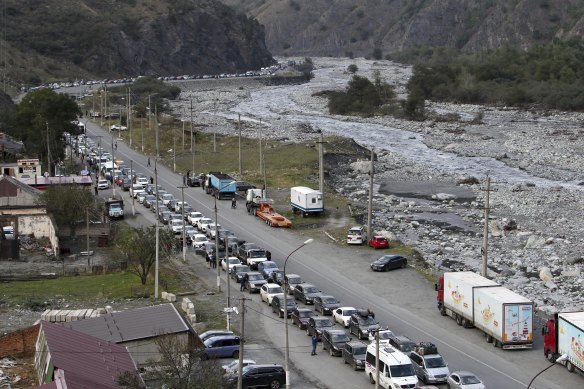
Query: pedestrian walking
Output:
(116,145)
(208,262)
(314,343)
(268,255)
(148,164)
(151,180)
(95,189)
(214,262)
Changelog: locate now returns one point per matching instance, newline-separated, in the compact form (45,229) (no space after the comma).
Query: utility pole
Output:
(192,139)
(183,138)
(184,238)
(321,166)
(215,127)
(113,167)
(486,230)
(48,151)
(149,122)
(370,205)
(241,342)
(377,359)
(240,161)
(156,119)
(265,180)
(261,151)
(87,238)
(173,151)
(228,288)
(129,121)
(156,227)
(131,172)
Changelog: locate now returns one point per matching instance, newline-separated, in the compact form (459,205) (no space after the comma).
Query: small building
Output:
(66,358)
(22,168)
(136,329)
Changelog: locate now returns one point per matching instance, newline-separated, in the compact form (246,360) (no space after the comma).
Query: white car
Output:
(194,217)
(464,380)
(268,291)
(356,235)
(233,367)
(342,315)
(141,197)
(136,189)
(102,184)
(211,230)
(176,226)
(199,241)
(203,224)
(231,261)
(142,181)
(167,198)
(384,336)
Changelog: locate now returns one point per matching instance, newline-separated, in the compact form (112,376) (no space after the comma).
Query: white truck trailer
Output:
(563,334)
(305,200)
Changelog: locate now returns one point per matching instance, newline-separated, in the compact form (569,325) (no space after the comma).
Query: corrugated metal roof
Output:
(141,323)
(86,359)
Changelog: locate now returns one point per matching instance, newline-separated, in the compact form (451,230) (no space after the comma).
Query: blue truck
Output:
(220,185)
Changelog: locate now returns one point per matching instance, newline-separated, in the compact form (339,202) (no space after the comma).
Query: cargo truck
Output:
(221,185)
(114,208)
(504,316)
(306,201)
(564,334)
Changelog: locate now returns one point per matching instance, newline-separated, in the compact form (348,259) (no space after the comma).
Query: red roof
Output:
(86,361)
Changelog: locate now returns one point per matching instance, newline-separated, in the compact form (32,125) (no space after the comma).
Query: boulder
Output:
(545,274)
(535,242)
(509,224)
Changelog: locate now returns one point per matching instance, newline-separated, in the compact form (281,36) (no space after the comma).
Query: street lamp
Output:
(217,236)
(287,355)
(561,358)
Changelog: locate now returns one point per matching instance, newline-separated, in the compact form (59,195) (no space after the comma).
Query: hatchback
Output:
(379,242)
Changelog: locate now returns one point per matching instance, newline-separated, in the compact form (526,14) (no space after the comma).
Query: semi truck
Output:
(114,208)
(564,334)
(505,317)
(306,201)
(221,185)
(253,198)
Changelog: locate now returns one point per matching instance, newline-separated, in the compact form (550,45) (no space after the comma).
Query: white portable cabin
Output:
(306,200)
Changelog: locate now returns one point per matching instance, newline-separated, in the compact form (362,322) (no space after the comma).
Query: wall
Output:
(41,226)
(19,343)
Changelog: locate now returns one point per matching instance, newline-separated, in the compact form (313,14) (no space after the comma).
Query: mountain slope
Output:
(109,38)
(336,27)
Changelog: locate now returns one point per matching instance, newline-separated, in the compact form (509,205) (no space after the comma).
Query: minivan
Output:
(395,368)
(223,346)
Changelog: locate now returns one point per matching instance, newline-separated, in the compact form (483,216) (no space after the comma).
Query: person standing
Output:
(148,164)
(314,343)
(95,188)
(243,281)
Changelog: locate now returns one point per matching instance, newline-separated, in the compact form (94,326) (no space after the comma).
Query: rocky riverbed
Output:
(430,180)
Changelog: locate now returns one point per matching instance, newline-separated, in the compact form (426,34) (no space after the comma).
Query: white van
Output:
(356,235)
(395,368)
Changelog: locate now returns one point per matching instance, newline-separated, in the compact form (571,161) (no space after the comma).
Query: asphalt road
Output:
(402,299)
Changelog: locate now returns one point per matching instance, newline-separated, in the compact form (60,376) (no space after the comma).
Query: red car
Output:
(379,242)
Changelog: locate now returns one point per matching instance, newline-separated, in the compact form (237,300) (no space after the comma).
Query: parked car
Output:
(233,367)
(149,201)
(300,317)
(238,271)
(243,248)
(202,224)
(165,217)
(325,304)
(211,333)
(306,293)
(388,262)
(176,226)
(211,230)
(402,343)
(379,242)
(199,241)
(356,235)
(254,282)
(278,304)
(253,376)
(166,198)
(193,217)
(464,380)
(317,324)
(266,267)
(224,346)
(384,336)
(268,291)
(102,184)
(276,277)
(342,315)
(291,281)
(362,324)
(126,184)
(429,366)
(353,353)
(334,341)
(228,263)
(255,256)
(136,189)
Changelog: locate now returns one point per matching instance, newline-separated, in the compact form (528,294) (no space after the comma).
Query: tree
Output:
(138,247)
(68,205)
(352,68)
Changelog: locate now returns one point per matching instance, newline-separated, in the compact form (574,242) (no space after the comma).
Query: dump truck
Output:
(506,318)
(114,208)
(564,334)
(306,201)
(221,185)
(265,212)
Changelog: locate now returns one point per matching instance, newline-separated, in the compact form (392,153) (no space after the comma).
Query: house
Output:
(137,329)
(66,358)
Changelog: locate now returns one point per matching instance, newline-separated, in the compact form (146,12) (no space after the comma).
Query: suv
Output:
(252,376)
(430,367)
(326,304)
(402,343)
(334,341)
(254,282)
(306,293)
(317,324)
(244,248)
(353,353)
(278,305)
(356,235)
(362,324)
(291,280)
(266,267)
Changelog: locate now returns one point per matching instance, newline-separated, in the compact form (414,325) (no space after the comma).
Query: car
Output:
(223,232)
(193,217)
(253,376)
(353,353)
(356,235)
(384,336)
(176,226)
(233,367)
(243,248)
(149,201)
(254,282)
(291,280)
(464,380)
(317,324)
(161,192)
(306,293)
(255,256)
(229,262)
(222,346)
(211,333)
(278,304)
(126,184)
(379,242)
(300,317)
(172,205)
(266,267)
(402,343)
(334,341)
(190,232)
(199,241)
(141,197)
(276,277)
(212,230)
(268,291)
(166,198)
(165,217)
(429,366)
(388,262)
(231,243)
(202,224)
(342,315)
(136,189)
(102,184)
(142,181)
(325,304)
(362,323)
(238,271)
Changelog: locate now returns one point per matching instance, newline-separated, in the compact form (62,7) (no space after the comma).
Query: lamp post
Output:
(287,354)
(215,195)
(561,358)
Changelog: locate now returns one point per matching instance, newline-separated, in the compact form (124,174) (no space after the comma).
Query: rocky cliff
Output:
(337,27)
(115,38)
